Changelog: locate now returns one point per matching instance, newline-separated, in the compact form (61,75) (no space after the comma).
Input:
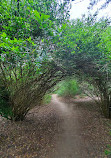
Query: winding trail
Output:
(70,143)
(65,128)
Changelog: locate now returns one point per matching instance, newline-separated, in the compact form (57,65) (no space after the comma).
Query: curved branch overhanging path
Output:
(70,143)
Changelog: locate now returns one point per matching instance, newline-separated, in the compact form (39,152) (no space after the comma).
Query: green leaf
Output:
(73,52)
(36,14)
(46,17)
(29,39)
(64,26)
(4,34)
(15,40)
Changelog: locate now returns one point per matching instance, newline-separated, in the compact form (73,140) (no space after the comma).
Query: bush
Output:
(68,88)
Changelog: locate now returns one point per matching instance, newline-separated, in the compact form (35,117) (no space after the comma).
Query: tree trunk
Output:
(105,97)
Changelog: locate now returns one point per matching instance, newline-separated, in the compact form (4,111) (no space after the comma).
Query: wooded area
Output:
(40,46)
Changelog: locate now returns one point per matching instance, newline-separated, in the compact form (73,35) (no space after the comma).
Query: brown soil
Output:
(64,129)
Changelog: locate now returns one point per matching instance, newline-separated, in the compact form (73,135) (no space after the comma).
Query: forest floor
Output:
(66,128)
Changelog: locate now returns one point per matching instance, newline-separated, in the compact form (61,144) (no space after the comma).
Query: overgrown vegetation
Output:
(46,99)
(26,68)
(84,46)
(40,46)
(68,88)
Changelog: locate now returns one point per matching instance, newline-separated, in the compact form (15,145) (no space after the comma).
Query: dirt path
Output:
(63,129)
(69,143)
(73,141)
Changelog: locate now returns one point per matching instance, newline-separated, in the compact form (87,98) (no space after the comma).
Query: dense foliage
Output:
(39,47)
(67,88)
(26,68)
(83,49)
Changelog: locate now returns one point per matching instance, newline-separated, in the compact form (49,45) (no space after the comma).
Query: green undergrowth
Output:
(46,99)
(67,88)
(108,150)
